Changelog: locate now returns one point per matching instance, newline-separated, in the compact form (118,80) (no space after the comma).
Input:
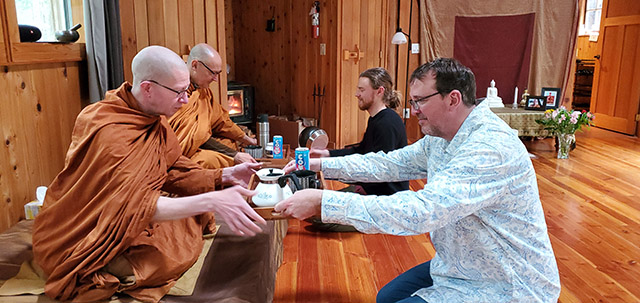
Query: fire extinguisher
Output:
(315,19)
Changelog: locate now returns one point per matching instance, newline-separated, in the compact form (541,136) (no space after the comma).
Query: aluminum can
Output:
(302,158)
(278,153)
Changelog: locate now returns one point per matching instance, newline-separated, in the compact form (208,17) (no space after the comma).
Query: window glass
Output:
(47,15)
(592,17)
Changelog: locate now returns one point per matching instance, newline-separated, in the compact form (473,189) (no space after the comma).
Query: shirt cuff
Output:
(334,206)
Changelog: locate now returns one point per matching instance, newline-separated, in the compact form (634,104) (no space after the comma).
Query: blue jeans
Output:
(401,287)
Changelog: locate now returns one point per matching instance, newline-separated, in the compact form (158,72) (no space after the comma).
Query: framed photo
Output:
(536,103)
(553,96)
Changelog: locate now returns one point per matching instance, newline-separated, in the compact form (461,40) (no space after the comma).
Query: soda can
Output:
(277,147)
(302,158)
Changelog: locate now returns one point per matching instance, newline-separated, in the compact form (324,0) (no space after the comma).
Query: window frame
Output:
(16,52)
(583,18)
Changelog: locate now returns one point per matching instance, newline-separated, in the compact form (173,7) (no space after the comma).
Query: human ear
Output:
(456,97)
(145,87)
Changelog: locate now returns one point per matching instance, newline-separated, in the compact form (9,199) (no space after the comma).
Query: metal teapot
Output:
(269,192)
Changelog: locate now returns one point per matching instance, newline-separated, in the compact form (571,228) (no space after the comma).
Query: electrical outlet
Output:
(323,49)
(407,113)
(415,48)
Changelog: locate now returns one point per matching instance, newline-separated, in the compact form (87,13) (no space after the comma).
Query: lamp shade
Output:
(399,38)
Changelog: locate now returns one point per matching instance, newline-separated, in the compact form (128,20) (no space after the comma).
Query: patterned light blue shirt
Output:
(480,204)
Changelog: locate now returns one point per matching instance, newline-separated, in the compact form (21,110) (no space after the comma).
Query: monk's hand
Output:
(241,157)
(318,153)
(239,174)
(303,204)
(249,141)
(231,206)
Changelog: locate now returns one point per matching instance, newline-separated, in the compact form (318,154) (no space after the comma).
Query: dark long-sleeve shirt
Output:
(385,132)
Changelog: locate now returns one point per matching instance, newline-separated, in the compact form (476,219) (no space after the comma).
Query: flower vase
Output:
(564,145)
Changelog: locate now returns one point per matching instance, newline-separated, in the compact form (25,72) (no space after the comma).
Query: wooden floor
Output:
(592,206)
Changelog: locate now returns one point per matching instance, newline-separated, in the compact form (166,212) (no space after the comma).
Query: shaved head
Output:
(156,63)
(205,53)
(160,80)
(205,65)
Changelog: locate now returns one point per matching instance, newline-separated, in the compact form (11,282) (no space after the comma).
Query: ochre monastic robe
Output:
(200,119)
(101,205)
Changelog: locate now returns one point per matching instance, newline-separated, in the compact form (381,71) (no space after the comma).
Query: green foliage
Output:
(564,121)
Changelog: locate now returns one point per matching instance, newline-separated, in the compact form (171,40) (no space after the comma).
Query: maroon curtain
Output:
(497,48)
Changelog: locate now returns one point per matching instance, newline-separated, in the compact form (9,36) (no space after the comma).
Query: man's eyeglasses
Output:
(418,102)
(212,72)
(179,93)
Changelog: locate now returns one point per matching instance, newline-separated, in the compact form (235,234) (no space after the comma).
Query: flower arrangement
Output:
(564,121)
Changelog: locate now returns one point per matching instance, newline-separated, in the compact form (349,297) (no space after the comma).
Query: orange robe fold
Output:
(201,119)
(101,204)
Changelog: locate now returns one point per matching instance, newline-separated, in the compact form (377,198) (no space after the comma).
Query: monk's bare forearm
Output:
(229,204)
(183,207)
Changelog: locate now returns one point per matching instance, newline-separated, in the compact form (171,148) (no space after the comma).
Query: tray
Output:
(268,213)
(273,163)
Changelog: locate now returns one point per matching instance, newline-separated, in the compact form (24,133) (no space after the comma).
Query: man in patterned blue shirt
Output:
(480,205)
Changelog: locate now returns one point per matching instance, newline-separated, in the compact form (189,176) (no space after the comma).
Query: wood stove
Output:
(240,101)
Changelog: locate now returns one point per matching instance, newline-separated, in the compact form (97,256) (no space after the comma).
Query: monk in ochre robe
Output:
(104,227)
(203,126)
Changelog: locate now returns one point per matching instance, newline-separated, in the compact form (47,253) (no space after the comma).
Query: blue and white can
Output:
(278,153)
(302,158)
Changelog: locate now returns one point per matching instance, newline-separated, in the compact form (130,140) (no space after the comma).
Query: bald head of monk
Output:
(205,65)
(160,80)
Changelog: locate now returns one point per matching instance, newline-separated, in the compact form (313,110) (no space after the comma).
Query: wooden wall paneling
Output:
(303,63)
(328,67)
(214,30)
(586,49)
(199,28)
(413,129)
(171,31)
(367,43)
(11,21)
(128,11)
(337,95)
(4,47)
(141,25)
(44,100)
(155,15)
(349,111)
(264,59)
(229,34)
(77,16)
(15,164)
(185,27)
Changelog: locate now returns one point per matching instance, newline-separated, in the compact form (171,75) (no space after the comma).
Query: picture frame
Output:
(536,103)
(552,95)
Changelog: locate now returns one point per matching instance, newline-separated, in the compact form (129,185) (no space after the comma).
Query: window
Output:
(47,15)
(592,16)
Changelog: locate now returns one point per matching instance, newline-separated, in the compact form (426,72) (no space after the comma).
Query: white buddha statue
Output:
(492,96)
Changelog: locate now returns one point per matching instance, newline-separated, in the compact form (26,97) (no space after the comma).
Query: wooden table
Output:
(522,120)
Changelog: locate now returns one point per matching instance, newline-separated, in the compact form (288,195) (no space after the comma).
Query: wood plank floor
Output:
(592,207)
